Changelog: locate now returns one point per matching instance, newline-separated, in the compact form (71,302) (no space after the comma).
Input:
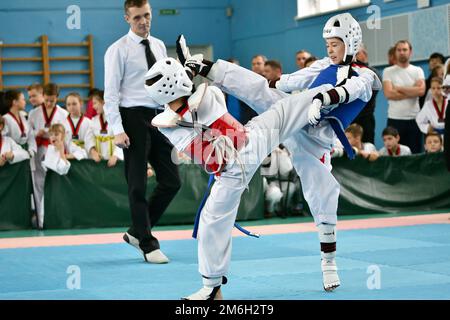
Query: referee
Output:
(129,112)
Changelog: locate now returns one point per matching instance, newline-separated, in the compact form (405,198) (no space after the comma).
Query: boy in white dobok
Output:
(307,124)
(41,119)
(432,116)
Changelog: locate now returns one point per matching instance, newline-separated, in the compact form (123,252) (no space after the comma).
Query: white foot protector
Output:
(330,276)
(206,293)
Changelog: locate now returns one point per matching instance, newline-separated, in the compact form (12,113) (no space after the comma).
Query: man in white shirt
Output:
(129,112)
(403,84)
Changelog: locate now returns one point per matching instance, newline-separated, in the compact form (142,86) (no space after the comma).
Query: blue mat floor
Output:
(413,263)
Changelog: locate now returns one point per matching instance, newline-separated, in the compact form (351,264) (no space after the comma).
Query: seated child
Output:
(77,125)
(10,151)
(392,147)
(433,142)
(354,135)
(103,135)
(59,151)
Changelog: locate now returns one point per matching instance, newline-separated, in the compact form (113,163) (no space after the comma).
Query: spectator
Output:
(59,151)
(403,83)
(103,135)
(433,142)
(41,118)
(436,72)
(432,116)
(301,57)
(310,61)
(435,59)
(36,94)
(78,127)
(90,111)
(10,152)
(354,135)
(392,147)
(16,124)
(258,63)
(272,72)
(237,108)
(366,118)
(280,182)
(391,56)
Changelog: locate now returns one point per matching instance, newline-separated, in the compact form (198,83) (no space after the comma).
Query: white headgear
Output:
(172,81)
(346,28)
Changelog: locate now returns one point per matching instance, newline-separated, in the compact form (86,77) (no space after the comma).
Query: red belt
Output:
(40,141)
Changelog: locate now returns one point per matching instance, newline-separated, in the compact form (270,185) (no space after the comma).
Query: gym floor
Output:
(379,257)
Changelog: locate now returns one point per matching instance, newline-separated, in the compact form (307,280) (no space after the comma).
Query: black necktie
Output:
(148,53)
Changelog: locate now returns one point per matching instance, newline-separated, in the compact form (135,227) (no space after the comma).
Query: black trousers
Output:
(367,122)
(410,134)
(147,144)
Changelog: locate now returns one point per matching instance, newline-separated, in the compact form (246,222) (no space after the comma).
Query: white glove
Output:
(314,112)
(182,50)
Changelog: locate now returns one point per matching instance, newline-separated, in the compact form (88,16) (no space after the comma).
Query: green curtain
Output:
(391,185)
(92,195)
(15,199)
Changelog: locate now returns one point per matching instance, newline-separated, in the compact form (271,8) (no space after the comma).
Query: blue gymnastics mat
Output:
(410,262)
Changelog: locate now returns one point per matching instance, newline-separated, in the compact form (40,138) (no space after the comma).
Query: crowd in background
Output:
(51,135)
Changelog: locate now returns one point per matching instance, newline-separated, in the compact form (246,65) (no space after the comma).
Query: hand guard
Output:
(314,112)
(198,65)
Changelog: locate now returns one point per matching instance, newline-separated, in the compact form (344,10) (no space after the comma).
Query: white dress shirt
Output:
(125,69)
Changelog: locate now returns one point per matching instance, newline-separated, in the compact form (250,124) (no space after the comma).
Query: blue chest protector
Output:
(343,115)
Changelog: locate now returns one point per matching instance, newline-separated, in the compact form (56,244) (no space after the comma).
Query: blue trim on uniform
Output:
(200,208)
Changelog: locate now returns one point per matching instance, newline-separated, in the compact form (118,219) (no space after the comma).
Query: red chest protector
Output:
(203,149)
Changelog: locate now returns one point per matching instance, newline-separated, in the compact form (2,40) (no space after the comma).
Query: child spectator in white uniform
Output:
(78,126)
(392,147)
(59,151)
(10,152)
(40,119)
(432,115)
(16,124)
(103,136)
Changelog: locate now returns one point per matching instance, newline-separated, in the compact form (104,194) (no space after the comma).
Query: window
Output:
(308,8)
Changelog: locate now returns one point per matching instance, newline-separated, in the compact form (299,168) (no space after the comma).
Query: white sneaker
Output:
(206,293)
(330,276)
(155,256)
